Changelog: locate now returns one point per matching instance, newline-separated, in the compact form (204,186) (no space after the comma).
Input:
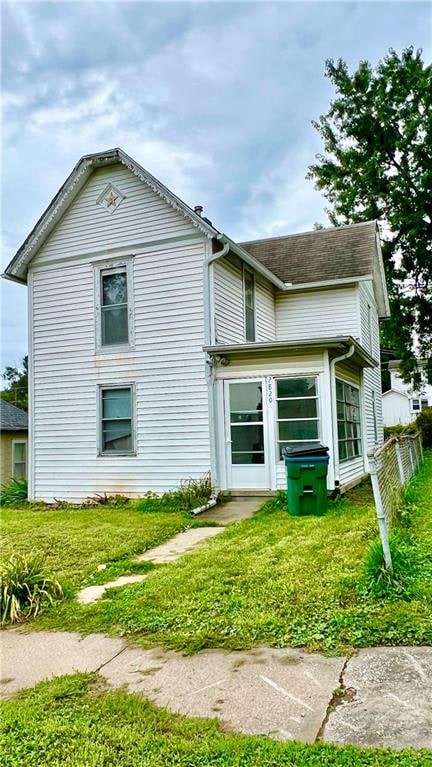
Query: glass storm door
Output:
(247,461)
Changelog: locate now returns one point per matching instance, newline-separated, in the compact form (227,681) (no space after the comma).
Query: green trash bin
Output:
(306,470)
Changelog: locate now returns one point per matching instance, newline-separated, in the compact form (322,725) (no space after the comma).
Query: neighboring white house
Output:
(402,403)
(160,348)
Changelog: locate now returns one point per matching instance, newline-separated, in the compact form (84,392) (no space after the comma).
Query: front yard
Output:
(272,579)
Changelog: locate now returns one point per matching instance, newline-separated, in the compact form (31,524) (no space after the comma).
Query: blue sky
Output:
(215,99)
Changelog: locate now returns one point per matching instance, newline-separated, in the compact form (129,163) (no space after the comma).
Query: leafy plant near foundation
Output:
(14,493)
(76,721)
(191,494)
(25,587)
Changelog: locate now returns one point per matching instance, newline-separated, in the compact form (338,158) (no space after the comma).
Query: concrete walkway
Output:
(384,693)
(182,543)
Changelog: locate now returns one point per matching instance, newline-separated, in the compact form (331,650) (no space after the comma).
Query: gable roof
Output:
(17,268)
(337,254)
(12,418)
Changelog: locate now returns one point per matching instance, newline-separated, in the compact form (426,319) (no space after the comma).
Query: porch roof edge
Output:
(339,343)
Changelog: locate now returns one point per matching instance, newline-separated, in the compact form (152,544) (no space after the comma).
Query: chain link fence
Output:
(391,467)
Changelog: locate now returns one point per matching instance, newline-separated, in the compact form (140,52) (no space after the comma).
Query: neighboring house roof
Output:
(396,391)
(12,418)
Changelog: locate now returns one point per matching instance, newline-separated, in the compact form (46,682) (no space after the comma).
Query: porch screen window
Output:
(249,301)
(116,420)
(348,418)
(19,460)
(114,307)
(297,411)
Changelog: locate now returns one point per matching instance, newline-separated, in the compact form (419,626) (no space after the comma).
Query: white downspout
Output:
(333,364)
(210,377)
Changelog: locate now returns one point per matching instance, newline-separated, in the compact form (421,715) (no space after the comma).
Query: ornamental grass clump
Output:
(25,587)
(14,493)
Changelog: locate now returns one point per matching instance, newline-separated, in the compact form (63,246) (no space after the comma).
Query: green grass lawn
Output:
(76,541)
(277,580)
(74,722)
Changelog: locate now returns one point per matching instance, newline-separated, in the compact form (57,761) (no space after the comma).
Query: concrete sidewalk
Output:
(384,694)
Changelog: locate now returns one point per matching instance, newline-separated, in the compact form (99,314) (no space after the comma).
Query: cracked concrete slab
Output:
(275,692)
(92,593)
(179,545)
(29,658)
(390,701)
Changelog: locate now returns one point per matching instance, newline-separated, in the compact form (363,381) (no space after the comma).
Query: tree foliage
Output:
(377,164)
(16,390)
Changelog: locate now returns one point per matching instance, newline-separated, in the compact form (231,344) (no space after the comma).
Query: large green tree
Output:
(16,390)
(377,164)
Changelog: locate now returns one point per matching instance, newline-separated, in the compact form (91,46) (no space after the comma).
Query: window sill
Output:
(121,349)
(118,454)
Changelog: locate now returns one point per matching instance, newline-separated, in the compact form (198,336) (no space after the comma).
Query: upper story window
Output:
(249,303)
(114,308)
(419,404)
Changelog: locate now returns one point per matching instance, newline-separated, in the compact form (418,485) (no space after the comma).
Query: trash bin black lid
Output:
(307,448)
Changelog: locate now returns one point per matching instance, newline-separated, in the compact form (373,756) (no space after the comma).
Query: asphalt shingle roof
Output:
(325,254)
(12,418)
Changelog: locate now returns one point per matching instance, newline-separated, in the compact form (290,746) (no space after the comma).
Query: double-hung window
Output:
(19,459)
(249,303)
(114,306)
(297,411)
(116,420)
(419,404)
(348,419)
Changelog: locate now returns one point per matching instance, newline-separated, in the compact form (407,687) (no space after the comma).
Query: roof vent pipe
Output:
(198,209)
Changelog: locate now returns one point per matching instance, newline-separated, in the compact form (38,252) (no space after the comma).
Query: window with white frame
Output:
(113,285)
(249,303)
(419,404)
(348,420)
(116,428)
(19,459)
(297,411)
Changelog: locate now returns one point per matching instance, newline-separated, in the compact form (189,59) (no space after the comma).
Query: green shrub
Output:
(399,428)
(424,424)
(191,494)
(25,586)
(14,493)
(380,583)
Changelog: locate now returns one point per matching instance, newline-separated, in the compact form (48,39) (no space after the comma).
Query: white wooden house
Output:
(160,348)
(402,402)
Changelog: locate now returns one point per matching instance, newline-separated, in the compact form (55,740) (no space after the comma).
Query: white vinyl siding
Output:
(167,367)
(309,315)
(86,227)
(229,304)
(372,376)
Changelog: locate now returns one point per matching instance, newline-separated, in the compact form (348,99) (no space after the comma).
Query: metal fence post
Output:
(411,458)
(399,463)
(382,521)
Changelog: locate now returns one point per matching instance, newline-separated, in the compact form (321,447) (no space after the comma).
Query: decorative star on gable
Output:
(110,199)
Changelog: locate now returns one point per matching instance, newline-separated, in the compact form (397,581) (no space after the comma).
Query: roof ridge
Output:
(309,231)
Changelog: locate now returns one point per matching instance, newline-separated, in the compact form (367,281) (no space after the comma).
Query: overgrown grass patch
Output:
(75,541)
(74,721)
(282,581)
